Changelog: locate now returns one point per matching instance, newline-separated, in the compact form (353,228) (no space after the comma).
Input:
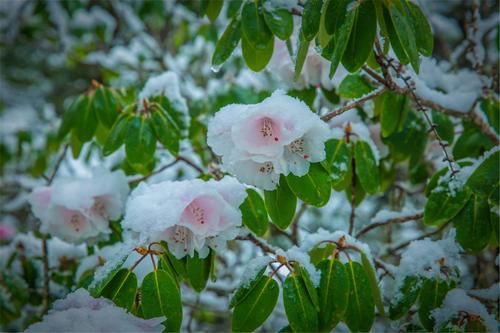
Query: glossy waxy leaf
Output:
(227,42)
(281,204)
(303,49)
(98,288)
(423,31)
(256,59)
(106,107)
(366,167)
(299,308)
(362,36)
(116,136)
(444,126)
(406,296)
(333,293)
(166,130)
(339,42)
(338,162)
(140,142)
(404,31)
(279,21)
(372,278)
(313,188)
(254,213)
(442,205)
(71,116)
(311,291)
(198,271)
(244,290)
(213,9)
(431,297)
(160,296)
(485,178)
(121,289)
(311,18)
(393,112)
(320,252)
(354,86)
(86,123)
(335,12)
(256,307)
(255,29)
(360,312)
(473,224)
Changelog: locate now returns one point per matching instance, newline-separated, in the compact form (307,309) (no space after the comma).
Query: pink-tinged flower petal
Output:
(262,175)
(71,225)
(6,232)
(40,201)
(202,215)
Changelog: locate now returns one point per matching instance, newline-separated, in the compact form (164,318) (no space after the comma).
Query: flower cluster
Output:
(261,141)
(79,210)
(188,215)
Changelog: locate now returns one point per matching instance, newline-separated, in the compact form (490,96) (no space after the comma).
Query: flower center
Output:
(181,236)
(297,147)
(267,129)
(76,220)
(198,213)
(266,168)
(99,207)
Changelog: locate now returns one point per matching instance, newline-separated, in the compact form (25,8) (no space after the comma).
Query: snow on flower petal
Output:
(188,215)
(79,210)
(261,141)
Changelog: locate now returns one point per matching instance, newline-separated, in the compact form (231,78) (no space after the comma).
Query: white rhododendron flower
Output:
(79,210)
(261,141)
(79,312)
(189,215)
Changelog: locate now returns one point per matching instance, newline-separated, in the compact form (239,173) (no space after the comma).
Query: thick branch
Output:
(263,246)
(397,220)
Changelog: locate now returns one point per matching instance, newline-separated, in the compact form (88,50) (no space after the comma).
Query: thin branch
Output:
(429,234)
(397,220)
(294,237)
(46,279)
(163,168)
(353,198)
(353,104)
(190,163)
(58,164)
(263,246)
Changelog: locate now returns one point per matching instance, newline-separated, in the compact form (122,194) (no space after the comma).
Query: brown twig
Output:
(429,234)
(163,168)
(294,236)
(353,104)
(353,197)
(397,220)
(263,246)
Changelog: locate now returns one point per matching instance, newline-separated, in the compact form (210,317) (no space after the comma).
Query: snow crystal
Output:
(299,255)
(492,293)
(252,268)
(363,133)
(457,301)
(425,258)
(79,312)
(166,84)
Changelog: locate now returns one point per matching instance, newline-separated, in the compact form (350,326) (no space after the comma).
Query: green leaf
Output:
(72,115)
(372,278)
(405,34)
(254,309)
(254,213)
(354,86)
(442,205)
(75,145)
(233,8)
(179,265)
(393,37)
(302,51)
(86,123)
(335,12)
(299,309)
(160,296)
(444,126)
(406,296)
(393,112)
(491,108)
(244,290)
(431,297)
(280,21)
(213,9)
(338,161)
(321,251)
(166,130)
(140,143)
(485,178)
(333,293)
(254,27)
(313,188)
(423,32)
(311,291)
(339,41)
(198,271)
(117,134)
(362,36)
(227,42)
(473,224)
(311,18)
(98,288)
(360,312)
(256,59)
(121,289)
(471,143)
(281,204)
(105,106)
(366,167)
